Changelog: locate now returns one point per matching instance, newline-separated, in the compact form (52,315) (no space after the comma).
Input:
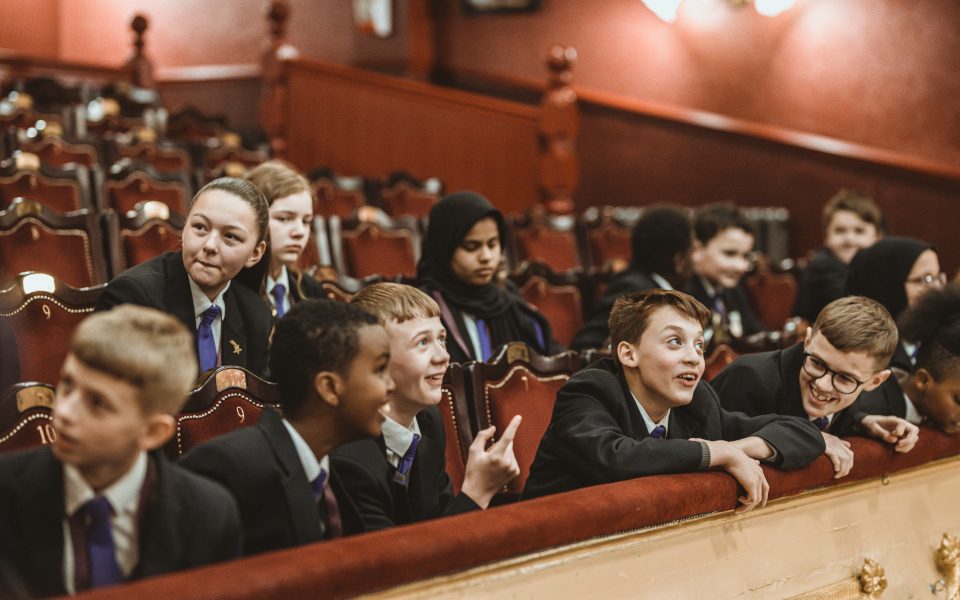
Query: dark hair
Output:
(859,204)
(313,336)
(934,323)
(661,233)
(247,192)
(631,313)
(710,220)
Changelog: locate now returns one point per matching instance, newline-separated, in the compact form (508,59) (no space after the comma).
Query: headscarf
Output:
(879,272)
(504,311)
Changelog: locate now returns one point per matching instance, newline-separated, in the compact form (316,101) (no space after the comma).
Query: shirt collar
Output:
(123,494)
(398,438)
(311,466)
(912,414)
(663,283)
(650,422)
(708,287)
(283,279)
(201,303)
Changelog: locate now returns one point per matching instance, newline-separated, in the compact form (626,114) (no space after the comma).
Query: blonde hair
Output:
(395,301)
(147,348)
(278,179)
(859,324)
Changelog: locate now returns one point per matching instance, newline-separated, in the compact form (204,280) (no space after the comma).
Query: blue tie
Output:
(821,423)
(206,346)
(659,432)
(103,566)
(317,485)
(484,334)
(279,293)
(402,476)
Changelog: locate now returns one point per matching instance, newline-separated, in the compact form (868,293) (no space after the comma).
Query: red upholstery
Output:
(59,194)
(454,452)
(400,555)
(123,196)
(153,239)
(31,245)
(405,200)
(332,201)
(162,158)
(562,305)
(58,153)
(556,248)
(369,250)
(43,323)
(773,296)
(720,357)
(610,245)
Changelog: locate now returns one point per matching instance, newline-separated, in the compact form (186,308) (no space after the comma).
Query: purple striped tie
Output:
(102,553)
(659,432)
(279,293)
(821,423)
(206,346)
(402,476)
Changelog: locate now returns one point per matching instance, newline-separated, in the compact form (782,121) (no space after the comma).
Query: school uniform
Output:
(890,399)
(266,468)
(164,519)
(242,330)
(597,434)
(595,330)
(766,383)
(730,306)
(285,291)
(823,281)
(386,493)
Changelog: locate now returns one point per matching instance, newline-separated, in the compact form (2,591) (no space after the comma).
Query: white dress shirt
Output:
(311,466)
(663,283)
(913,415)
(201,303)
(397,439)
(650,423)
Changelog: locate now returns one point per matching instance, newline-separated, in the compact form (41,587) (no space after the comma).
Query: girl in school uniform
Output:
(896,272)
(225,232)
(461,256)
(290,204)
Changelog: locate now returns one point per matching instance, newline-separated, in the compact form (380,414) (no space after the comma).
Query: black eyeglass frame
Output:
(833,374)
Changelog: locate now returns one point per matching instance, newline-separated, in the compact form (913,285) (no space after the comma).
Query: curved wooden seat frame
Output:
(551,239)
(454,408)
(60,189)
(128,183)
(26,416)
(137,236)
(558,296)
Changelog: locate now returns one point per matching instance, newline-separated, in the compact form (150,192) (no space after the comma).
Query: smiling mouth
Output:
(820,398)
(688,379)
(435,379)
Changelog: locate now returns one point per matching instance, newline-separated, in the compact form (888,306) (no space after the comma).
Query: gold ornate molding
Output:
(947,558)
(870,583)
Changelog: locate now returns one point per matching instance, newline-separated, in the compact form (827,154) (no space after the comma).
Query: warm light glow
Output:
(665,9)
(772,8)
(38,282)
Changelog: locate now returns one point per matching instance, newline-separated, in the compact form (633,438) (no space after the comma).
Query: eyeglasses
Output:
(938,280)
(844,383)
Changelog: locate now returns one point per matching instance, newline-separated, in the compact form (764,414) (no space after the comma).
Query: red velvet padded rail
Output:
(383,559)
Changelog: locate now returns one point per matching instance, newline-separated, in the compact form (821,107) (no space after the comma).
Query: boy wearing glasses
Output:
(843,355)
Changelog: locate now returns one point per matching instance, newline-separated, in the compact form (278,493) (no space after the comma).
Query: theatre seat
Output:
(56,152)
(456,423)
(720,357)
(518,381)
(163,157)
(772,294)
(607,231)
(129,183)
(59,189)
(371,243)
(43,313)
(558,297)
(333,200)
(230,398)
(405,199)
(26,417)
(548,238)
(141,234)
(67,246)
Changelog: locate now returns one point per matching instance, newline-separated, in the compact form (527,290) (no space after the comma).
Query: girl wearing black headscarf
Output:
(460,258)
(895,272)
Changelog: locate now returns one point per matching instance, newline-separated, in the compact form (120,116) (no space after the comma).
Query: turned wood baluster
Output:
(559,123)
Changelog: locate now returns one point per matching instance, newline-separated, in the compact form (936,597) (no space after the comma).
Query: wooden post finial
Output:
(559,124)
(138,68)
(278,12)
(273,88)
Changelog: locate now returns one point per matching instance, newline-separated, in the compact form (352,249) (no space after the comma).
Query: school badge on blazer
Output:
(235,346)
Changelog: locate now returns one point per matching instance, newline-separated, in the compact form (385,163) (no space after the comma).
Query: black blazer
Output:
(595,331)
(734,299)
(162,283)
(187,521)
(767,383)
(823,281)
(597,435)
(887,399)
(368,478)
(260,466)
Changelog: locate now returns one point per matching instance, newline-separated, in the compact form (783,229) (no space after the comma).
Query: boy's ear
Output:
(628,354)
(807,337)
(160,428)
(257,254)
(876,380)
(922,379)
(327,385)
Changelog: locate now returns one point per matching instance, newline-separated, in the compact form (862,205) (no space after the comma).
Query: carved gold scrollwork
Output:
(869,583)
(873,580)
(947,557)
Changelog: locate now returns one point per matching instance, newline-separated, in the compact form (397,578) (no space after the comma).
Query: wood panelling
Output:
(370,124)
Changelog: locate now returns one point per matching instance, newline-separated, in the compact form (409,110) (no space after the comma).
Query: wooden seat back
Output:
(607,231)
(454,408)
(719,358)
(405,199)
(331,200)
(558,297)
(56,152)
(371,243)
(129,183)
(26,417)
(141,234)
(550,239)
(59,189)
(773,295)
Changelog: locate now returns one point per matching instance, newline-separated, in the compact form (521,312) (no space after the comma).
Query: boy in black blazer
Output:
(224,233)
(129,513)
(330,361)
(635,414)
(400,476)
(843,354)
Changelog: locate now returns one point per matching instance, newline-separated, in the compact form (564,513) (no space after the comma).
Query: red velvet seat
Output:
(558,297)
(454,408)
(550,239)
(331,200)
(137,236)
(230,398)
(56,152)
(128,184)
(518,381)
(26,417)
(43,313)
(164,158)
(772,294)
(405,199)
(69,247)
(720,357)
(61,190)
(607,231)
(371,243)
(230,149)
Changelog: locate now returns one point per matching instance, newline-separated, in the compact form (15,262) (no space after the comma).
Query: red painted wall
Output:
(30,27)
(878,72)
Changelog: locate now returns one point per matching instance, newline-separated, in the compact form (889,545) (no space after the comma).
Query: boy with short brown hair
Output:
(400,477)
(101,505)
(646,411)
(844,353)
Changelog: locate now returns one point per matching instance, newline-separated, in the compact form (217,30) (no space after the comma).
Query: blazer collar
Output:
(638,429)
(791,361)
(42,506)
(233,337)
(179,299)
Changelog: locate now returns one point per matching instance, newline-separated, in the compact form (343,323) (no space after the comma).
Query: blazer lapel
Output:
(160,543)
(42,508)
(638,429)
(179,299)
(304,513)
(791,361)
(233,340)
(683,424)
